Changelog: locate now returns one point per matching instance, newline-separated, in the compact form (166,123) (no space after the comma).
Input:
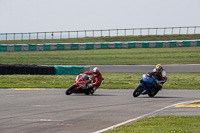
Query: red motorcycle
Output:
(80,85)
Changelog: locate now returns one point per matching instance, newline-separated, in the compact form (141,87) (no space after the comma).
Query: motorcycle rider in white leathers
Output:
(161,75)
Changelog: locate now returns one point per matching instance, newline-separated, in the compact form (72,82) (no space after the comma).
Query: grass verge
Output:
(134,56)
(112,81)
(162,124)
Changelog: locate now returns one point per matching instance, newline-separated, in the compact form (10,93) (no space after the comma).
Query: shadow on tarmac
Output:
(91,95)
(157,97)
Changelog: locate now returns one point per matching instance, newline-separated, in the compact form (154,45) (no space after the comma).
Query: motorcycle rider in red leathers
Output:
(97,79)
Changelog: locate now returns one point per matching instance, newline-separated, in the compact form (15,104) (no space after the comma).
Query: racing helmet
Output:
(95,71)
(159,67)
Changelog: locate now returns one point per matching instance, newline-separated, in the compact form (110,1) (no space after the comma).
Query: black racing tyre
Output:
(70,90)
(137,91)
(152,94)
(87,92)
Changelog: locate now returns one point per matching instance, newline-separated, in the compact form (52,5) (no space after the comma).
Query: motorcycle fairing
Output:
(147,83)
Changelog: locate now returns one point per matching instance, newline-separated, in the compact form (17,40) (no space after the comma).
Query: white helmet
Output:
(95,71)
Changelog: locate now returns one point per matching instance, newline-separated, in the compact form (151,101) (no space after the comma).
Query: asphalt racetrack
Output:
(51,111)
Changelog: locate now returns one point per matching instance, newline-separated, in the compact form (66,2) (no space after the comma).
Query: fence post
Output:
(37,36)
(93,33)
(77,34)
(179,30)
(133,31)
(195,30)
(61,35)
(29,36)
(164,31)
(22,36)
(14,37)
(156,31)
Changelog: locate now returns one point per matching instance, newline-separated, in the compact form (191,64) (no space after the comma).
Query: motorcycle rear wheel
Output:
(70,90)
(137,91)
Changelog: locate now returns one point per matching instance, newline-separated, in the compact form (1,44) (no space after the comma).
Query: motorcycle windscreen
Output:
(147,79)
(84,78)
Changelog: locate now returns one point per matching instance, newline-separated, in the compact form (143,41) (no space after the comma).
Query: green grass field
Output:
(162,124)
(134,56)
(112,81)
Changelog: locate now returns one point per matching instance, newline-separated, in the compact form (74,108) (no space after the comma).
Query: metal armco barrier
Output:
(99,45)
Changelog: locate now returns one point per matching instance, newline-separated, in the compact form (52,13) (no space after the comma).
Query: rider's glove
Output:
(89,85)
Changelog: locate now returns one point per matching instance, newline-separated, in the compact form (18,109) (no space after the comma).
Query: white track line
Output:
(137,118)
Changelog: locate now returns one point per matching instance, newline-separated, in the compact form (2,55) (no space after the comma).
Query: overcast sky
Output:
(63,15)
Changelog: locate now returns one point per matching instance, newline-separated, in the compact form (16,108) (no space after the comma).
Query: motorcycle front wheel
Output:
(87,92)
(137,91)
(70,90)
(152,94)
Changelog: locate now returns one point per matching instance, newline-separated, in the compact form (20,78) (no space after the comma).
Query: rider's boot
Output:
(93,90)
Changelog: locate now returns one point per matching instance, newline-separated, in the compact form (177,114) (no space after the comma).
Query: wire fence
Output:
(100,33)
